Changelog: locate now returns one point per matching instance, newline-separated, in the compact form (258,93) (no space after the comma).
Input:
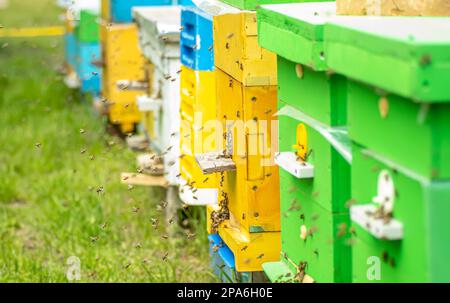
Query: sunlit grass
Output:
(51,203)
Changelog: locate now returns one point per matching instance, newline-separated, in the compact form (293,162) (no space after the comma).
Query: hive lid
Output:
(159,33)
(295,31)
(409,56)
(163,20)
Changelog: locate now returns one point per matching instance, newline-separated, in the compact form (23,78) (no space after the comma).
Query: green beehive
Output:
(88,28)
(414,244)
(315,172)
(253,4)
(397,104)
(398,101)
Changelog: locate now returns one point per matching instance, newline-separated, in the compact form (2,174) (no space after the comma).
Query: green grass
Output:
(49,205)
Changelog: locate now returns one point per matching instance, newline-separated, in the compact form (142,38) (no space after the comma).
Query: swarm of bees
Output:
(221,215)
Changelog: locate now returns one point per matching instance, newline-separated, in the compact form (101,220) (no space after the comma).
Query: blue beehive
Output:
(196,39)
(222,259)
(89,74)
(121,9)
(71,49)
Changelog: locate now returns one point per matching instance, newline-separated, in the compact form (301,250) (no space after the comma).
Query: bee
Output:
(167,77)
(181,28)
(182,156)
(83,151)
(126,266)
(164,204)
(38,145)
(82,131)
(94,239)
(166,255)
(230,35)
(244,248)
(260,256)
(125,178)
(104,225)
(173,134)
(268,111)
(206,180)
(179,175)
(135,209)
(171,221)
(238,114)
(91,157)
(130,187)
(185,207)
(94,73)
(178,71)
(190,236)
(137,245)
(211,47)
(255,188)
(100,190)
(164,237)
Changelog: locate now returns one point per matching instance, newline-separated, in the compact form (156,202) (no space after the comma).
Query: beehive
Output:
(315,176)
(198,105)
(253,4)
(398,187)
(159,36)
(87,29)
(123,63)
(245,95)
(120,11)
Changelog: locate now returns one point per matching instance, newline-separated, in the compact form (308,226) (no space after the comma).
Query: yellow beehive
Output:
(122,61)
(148,117)
(106,10)
(252,190)
(236,50)
(197,111)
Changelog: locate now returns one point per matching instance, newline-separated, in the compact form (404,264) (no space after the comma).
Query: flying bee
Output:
(166,255)
(206,180)
(82,131)
(130,187)
(83,151)
(211,47)
(94,73)
(164,237)
(244,248)
(137,245)
(181,28)
(135,209)
(94,239)
(230,35)
(260,256)
(185,206)
(164,204)
(190,236)
(268,111)
(38,145)
(104,225)
(91,157)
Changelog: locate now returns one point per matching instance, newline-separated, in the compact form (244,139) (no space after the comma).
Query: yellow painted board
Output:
(148,117)
(106,10)
(251,251)
(32,32)
(253,189)
(237,52)
(122,60)
(198,111)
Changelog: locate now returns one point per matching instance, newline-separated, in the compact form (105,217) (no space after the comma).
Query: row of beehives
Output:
(318,142)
